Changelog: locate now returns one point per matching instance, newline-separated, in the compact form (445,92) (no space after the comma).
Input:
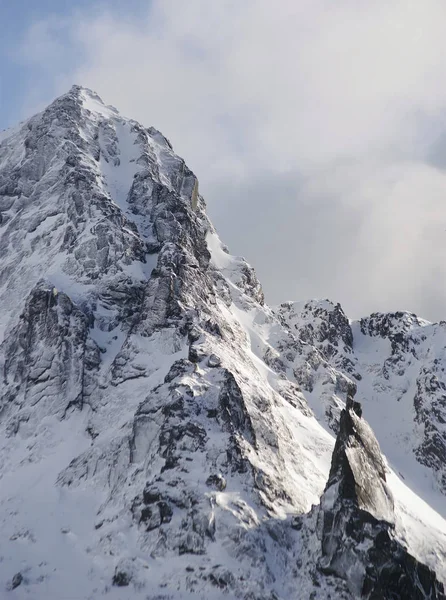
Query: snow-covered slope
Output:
(165,434)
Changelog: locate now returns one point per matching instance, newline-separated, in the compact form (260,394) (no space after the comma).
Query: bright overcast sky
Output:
(317,129)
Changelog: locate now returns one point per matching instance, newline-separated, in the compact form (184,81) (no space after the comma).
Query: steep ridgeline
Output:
(356,520)
(163,433)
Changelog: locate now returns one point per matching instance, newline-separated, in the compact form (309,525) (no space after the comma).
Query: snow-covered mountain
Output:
(164,434)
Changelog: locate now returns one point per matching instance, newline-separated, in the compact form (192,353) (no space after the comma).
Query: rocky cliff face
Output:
(164,433)
(357,520)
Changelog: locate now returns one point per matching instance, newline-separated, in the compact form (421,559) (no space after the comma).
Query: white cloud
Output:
(327,115)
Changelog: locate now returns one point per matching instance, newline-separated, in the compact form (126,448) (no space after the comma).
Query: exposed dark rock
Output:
(213,328)
(156,514)
(50,358)
(232,408)
(151,495)
(16,580)
(430,409)
(165,512)
(196,355)
(179,367)
(150,517)
(357,518)
(121,578)
(217,481)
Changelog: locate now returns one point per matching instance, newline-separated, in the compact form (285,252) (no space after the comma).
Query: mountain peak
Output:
(92,101)
(79,102)
(80,92)
(174,429)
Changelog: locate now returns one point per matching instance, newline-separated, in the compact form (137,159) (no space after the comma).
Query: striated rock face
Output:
(50,360)
(163,432)
(357,521)
(357,467)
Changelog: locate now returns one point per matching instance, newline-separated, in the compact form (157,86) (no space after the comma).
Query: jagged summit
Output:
(86,94)
(164,433)
(357,515)
(358,470)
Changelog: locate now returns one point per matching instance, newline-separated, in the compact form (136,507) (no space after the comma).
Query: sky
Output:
(317,129)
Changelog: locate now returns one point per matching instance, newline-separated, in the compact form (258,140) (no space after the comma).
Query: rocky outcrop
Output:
(319,322)
(430,410)
(357,521)
(319,350)
(325,326)
(50,360)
